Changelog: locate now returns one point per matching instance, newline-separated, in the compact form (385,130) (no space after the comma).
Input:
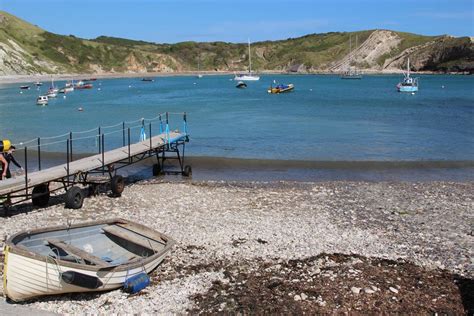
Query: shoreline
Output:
(60,77)
(246,169)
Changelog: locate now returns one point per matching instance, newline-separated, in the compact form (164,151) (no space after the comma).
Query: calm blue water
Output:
(325,118)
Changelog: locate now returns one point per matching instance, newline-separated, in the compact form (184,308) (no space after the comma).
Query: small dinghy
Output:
(94,256)
(241,85)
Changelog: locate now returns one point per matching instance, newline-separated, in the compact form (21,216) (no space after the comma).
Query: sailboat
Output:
(52,91)
(199,75)
(408,84)
(248,76)
(351,72)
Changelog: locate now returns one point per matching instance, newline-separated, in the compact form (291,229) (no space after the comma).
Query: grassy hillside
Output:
(29,49)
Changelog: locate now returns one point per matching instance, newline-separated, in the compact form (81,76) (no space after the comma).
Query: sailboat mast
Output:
(250,59)
(408,67)
(350,50)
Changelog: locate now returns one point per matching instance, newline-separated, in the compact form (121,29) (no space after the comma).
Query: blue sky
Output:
(171,21)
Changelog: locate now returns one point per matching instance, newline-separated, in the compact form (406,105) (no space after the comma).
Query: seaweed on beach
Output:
(334,283)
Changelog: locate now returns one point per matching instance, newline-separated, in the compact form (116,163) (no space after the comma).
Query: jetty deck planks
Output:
(86,164)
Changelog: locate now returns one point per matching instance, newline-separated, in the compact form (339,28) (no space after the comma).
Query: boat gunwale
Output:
(23,251)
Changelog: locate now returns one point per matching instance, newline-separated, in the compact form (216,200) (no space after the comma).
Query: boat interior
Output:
(102,245)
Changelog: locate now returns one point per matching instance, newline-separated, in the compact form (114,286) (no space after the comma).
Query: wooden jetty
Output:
(35,185)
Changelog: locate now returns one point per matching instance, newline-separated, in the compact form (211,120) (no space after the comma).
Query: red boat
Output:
(84,86)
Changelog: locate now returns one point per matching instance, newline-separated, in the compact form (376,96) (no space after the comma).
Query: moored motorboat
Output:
(241,85)
(24,87)
(42,100)
(38,84)
(148,79)
(94,256)
(281,88)
(82,85)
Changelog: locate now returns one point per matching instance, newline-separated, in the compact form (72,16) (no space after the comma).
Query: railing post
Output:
(167,129)
(39,154)
(149,133)
(123,134)
(103,153)
(26,171)
(129,160)
(70,144)
(67,159)
(185,127)
(98,136)
(161,125)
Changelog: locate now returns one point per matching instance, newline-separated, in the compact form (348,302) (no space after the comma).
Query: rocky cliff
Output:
(26,49)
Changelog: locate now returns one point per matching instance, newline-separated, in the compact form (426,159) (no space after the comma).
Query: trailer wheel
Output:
(74,198)
(40,195)
(188,171)
(117,184)
(156,170)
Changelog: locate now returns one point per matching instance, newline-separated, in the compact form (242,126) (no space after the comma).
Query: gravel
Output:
(221,224)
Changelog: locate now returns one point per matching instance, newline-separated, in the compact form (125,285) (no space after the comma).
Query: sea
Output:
(326,129)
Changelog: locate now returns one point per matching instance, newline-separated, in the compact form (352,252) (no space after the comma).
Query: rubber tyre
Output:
(117,185)
(188,171)
(74,198)
(40,195)
(156,170)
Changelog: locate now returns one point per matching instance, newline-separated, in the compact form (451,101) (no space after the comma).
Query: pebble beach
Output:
(285,247)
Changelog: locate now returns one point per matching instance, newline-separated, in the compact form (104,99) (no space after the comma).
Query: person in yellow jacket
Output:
(4,163)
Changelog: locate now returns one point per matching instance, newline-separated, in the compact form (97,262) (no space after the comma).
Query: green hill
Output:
(27,49)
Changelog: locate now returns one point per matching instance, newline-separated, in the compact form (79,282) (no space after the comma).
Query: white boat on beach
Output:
(247,76)
(95,256)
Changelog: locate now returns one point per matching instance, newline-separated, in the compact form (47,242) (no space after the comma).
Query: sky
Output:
(172,21)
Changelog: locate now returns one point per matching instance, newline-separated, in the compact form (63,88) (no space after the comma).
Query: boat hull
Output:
(351,77)
(29,274)
(277,90)
(27,278)
(246,78)
(407,88)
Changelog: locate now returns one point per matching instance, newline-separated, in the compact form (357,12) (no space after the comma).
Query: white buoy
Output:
(64,97)
(98,89)
(21,92)
(310,89)
(442,86)
(129,86)
(194,83)
(413,93)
